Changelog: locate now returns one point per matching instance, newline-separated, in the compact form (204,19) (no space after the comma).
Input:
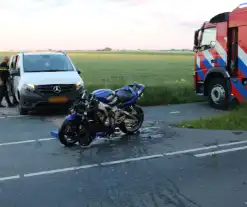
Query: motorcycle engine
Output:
(119,116)
(107,121)
(101,116)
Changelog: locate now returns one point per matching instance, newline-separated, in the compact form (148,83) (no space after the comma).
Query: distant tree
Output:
(107,49)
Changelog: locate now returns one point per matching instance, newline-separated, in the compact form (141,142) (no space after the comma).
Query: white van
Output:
(44,79)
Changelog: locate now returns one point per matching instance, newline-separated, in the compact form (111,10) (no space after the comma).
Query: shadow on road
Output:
(49,112)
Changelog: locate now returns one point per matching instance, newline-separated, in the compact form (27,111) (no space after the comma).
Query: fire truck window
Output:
(208,36)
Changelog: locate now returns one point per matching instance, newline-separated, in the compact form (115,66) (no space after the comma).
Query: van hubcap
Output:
(218,93)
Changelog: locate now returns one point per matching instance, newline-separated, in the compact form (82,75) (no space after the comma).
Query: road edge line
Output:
(220,151)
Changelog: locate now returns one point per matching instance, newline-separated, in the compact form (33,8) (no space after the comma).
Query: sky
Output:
(95,24)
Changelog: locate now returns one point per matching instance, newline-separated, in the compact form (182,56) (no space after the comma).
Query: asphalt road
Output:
(160,166)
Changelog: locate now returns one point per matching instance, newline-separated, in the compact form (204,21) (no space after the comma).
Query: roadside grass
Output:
(166,75)
(234,120)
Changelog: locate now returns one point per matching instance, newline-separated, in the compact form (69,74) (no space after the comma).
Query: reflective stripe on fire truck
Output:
(242,61)
(221,57)
(222,53)
(238,89)
(209,57)
(198,68)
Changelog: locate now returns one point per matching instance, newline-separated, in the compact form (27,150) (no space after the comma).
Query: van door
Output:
(11,80)
(16,79)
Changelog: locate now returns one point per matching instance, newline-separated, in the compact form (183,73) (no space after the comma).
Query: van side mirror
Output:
(78,71)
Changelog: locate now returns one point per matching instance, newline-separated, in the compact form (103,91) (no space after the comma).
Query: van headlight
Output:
(79,85)
(29,87)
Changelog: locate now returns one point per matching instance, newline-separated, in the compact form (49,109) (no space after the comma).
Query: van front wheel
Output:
(23,111)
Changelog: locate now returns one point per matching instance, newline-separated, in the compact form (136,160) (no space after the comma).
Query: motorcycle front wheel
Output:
(66,134)
(134,127)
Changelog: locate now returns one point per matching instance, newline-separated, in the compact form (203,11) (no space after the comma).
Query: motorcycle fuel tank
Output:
(106,96)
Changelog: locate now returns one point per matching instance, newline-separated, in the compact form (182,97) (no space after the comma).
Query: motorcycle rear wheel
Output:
(65,134)
(137,126)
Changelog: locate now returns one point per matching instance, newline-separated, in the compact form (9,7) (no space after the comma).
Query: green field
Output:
(167,75)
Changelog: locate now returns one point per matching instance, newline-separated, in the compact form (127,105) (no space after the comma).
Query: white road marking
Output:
(20,142)
(115,162)
(45,139)
(60,170)
(151,127)
(205,148)
(132,159)
(10,178)
(26,141)
(221,151)
(175,112)
(51,138)
(12,116)
(92,165)
(189,150)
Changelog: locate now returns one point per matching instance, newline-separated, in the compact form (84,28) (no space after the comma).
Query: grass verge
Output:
(234,120)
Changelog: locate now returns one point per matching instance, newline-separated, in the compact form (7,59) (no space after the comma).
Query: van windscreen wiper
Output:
(51,70)
(54,70)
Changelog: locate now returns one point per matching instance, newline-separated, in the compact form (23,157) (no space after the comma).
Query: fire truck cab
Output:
(220,47)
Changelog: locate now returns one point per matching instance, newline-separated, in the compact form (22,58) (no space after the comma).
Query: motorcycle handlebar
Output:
(138,87)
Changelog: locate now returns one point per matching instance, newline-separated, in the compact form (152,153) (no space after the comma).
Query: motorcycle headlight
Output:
(79,85)
(29,87)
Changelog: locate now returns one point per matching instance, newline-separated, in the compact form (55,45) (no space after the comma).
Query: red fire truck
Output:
(220,47)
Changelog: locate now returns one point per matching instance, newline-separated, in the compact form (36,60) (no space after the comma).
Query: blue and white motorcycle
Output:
(100,113)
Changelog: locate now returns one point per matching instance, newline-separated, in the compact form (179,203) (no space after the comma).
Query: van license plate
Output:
(58,99)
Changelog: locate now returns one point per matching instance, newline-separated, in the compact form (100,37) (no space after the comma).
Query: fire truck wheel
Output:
(218,94)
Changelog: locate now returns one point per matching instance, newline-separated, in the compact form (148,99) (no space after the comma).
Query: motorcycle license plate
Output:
(58,99)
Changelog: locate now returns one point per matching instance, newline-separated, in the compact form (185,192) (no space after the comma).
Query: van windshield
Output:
(46,63)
